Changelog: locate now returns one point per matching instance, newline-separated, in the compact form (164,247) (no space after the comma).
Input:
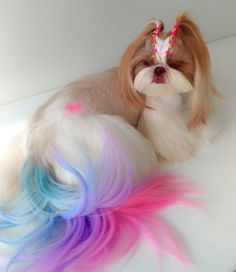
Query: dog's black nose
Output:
(159,70)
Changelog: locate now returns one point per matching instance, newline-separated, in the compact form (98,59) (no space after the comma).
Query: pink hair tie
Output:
(172,40)
(176,26)
(155,34)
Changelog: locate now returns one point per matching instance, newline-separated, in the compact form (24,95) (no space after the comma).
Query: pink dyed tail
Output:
(88,243)
(141,212)
(140,217)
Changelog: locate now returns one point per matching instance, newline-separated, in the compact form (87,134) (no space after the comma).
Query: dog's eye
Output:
(147,63)
(175,65)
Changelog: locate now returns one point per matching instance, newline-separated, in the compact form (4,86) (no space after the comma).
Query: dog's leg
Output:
(165,127)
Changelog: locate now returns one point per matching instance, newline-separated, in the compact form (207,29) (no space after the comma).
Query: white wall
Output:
(45,44)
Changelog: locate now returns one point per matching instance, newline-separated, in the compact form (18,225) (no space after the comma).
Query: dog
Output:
(87,162)
(168,75)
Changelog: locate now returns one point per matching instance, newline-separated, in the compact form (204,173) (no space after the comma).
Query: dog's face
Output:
(186,67)
(173,73)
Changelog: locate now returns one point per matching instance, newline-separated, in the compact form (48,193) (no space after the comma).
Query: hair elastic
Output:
(156,34)
(172,38)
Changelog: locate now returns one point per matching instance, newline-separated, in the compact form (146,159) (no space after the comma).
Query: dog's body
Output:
(98,93)
(165,127)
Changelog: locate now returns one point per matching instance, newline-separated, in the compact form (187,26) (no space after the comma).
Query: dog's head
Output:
(159,62)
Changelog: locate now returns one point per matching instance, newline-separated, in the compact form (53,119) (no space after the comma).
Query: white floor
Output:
(210,234)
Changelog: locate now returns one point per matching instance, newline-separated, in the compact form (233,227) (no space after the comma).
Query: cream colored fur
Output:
(165,126)
(12,156)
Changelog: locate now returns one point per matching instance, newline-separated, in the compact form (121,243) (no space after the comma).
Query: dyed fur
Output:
(88,191)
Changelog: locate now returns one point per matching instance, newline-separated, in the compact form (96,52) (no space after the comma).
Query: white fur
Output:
(162,47)
(175,83)
(12,155)
(166,129)
(82,135)
(165,126)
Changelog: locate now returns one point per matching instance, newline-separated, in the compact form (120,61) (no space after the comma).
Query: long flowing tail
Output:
(77,212)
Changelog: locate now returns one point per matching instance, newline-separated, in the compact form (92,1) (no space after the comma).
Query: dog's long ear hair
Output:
(127,64)
(202,97)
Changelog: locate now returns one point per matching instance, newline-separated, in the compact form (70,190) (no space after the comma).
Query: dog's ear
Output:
(126,68)
(202,96)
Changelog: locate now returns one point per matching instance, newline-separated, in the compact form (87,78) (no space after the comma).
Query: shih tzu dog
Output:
(82,177)
(168,75)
